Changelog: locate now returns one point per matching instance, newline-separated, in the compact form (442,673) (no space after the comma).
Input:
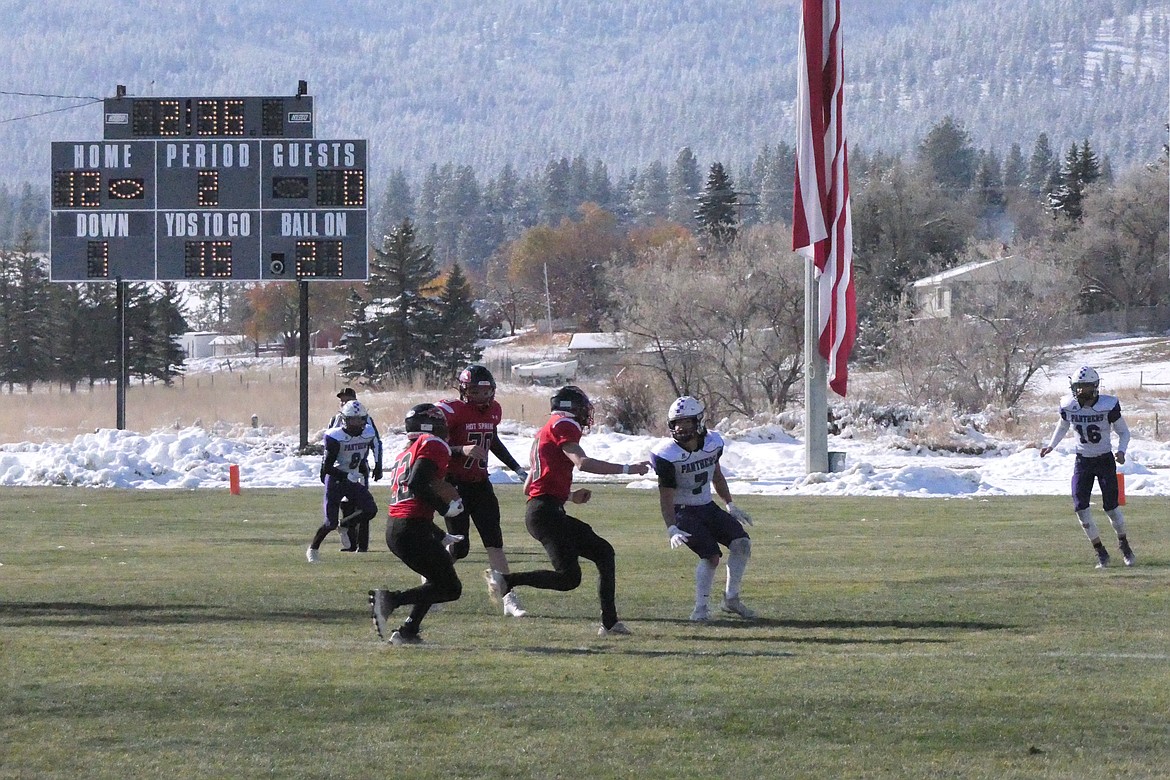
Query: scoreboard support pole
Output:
(303,348)
(123,373)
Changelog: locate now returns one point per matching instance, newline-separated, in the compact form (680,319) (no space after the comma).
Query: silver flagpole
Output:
(816,379)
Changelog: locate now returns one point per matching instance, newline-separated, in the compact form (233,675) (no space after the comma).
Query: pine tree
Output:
(397,203)
(403,318)
(1089,167)
(1041,166)
(170,325)
(717,213)
(948,156)
(1015,170)
(651,199)
(100,342)
(684,182)
(71,323)
(357,337)
(558,197)
(455,342)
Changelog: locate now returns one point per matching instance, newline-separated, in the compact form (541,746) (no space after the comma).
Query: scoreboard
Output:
(187,189)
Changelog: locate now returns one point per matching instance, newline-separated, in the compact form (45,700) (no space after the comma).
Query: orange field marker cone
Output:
(1120,489)
(234,479)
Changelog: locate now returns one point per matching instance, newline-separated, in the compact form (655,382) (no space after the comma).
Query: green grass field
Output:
(148,634)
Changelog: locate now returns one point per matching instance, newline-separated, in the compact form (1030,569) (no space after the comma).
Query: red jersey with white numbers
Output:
(404,503)
(468,424)
(552,471)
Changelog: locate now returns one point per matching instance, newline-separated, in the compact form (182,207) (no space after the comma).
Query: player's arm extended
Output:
(594,466)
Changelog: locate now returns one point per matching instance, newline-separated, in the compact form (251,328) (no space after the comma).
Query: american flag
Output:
(822,229)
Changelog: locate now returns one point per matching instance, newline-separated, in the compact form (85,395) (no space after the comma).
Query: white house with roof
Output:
(598,349)
(945,294)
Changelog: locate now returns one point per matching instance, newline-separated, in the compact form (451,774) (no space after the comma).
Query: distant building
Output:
(594,350)
(953,292)
(222,346)
(197,343)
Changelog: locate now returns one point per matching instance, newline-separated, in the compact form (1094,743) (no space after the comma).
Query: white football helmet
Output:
(687,406)
(1084,385)
(685,419)
(353,409)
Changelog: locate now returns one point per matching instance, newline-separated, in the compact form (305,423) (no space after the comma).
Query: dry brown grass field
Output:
(223,401)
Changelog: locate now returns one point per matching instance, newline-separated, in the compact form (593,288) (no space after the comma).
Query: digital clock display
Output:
(209,117)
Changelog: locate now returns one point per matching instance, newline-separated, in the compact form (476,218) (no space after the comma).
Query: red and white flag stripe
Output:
(822,228)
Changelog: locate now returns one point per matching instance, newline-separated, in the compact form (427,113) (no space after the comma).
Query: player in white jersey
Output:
(346,450)
(1094,417)
(356,537)
(687,465)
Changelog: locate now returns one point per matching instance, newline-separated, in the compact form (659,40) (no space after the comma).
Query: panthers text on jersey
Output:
(1093,425)
(351,449)
(403,502)
(468,424)
(689,473)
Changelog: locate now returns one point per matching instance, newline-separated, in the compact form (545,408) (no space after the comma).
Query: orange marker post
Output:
(1120,489)
(234,479)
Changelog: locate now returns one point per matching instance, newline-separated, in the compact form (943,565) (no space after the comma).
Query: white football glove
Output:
(678,537)
(743,517)
(450,540)
(521,475)
(455,508)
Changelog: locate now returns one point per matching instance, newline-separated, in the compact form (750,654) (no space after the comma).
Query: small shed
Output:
(223,346)
(598,349)
(197,343)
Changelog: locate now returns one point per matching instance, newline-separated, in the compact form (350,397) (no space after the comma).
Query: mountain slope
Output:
(486,82)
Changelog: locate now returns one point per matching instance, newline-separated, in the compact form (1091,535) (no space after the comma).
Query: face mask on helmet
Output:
(571,400)
(1085,384)
(425,418)
(477,386)
(1085,392)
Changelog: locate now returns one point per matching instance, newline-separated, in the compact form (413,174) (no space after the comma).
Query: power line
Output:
(40,94)
(90,98)
(52,111)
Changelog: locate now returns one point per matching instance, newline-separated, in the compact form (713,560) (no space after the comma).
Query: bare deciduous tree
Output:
(727,326)
(999,334)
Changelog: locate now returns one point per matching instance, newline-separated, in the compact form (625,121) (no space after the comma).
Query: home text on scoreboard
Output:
(194,209)
(208,117)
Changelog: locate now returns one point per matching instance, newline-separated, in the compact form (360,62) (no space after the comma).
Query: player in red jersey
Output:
(471,422)
(555,453)
(418,490)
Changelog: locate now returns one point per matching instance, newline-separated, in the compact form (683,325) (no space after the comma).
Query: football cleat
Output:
(402,638)
(617,629)
(312,556)
(382,604)
(736,607)
(701,614)
(1127,553)
(512,606)
(1102,558)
